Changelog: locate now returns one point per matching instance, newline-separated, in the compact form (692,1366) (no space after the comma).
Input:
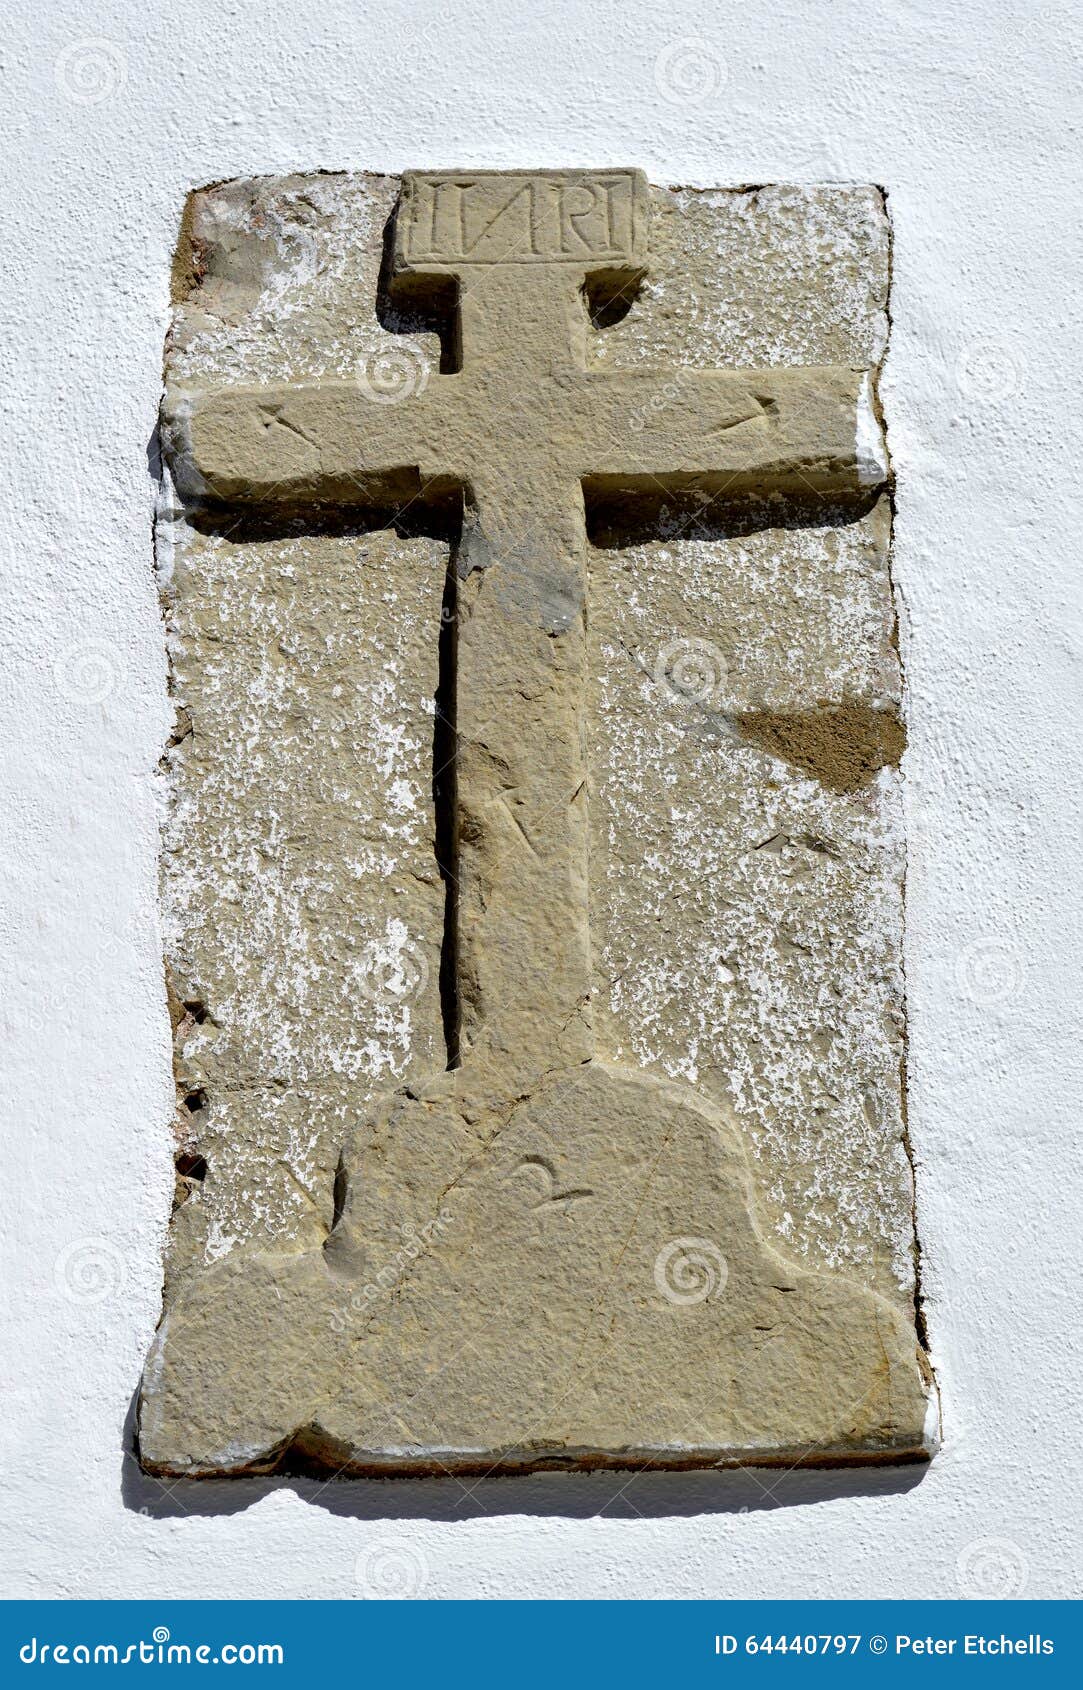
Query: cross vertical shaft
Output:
(523,942)
(523,938)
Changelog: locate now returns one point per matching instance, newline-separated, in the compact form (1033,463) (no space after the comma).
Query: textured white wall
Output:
(111,112)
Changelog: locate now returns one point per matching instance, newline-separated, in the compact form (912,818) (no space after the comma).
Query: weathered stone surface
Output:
(517,1221)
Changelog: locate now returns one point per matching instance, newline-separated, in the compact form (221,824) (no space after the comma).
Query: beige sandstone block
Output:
(533,872)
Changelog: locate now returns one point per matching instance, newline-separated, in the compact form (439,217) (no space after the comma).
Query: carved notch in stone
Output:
(537,1320)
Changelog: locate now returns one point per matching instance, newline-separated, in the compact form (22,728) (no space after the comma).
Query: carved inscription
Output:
(542,218)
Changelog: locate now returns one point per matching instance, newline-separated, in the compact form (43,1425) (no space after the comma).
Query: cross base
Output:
(572,1278)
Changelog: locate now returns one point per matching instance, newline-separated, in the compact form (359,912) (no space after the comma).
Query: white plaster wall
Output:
(964,112)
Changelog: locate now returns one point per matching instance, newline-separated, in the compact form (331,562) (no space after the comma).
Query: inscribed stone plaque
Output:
(533,869)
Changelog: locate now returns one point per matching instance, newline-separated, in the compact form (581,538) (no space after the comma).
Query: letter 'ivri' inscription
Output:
(539,1244)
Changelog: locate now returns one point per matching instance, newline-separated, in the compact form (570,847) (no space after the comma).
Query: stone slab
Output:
(674,1226)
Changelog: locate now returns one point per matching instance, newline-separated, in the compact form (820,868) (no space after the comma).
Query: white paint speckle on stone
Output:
(872,462)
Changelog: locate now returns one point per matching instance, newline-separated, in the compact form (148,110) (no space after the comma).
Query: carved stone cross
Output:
(512,1344)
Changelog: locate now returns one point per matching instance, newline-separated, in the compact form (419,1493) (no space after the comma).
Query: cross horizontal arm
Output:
(329,440)
(791,431)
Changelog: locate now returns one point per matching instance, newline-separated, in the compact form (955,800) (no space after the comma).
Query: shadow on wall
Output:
(617,1495)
